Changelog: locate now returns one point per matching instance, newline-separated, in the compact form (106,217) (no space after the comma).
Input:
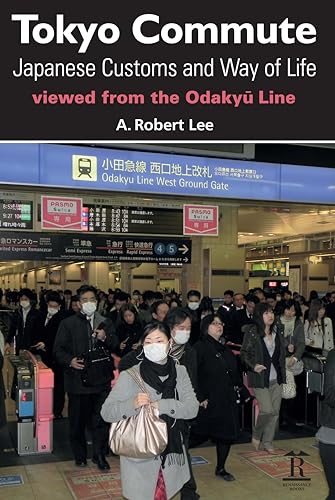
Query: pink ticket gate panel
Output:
(44,408)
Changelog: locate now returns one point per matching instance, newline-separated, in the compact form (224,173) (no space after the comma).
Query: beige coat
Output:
(139,476)
(314,335)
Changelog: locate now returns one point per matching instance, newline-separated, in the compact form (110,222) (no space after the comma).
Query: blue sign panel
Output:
(123,171)
(307,184)
(19,163)
(157,173)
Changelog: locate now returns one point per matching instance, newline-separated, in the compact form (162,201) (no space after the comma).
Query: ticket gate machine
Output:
(34,383)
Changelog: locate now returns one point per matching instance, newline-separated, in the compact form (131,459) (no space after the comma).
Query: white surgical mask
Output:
(182,336)
(194,305)
(89,308)
(155,352)
(52,311)
(24,304)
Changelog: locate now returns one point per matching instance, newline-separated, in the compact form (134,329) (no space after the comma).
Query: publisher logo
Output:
(84,168)
(297,479)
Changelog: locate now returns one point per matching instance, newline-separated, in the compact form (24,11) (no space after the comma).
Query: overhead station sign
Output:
(135,220)
(66,247)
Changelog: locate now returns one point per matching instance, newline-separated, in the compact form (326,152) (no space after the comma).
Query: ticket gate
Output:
(34,383)
(314,363)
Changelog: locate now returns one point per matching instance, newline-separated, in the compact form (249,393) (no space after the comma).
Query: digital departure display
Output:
(16,214)
(132,220)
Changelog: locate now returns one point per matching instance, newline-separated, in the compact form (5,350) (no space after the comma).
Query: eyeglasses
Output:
(217,323)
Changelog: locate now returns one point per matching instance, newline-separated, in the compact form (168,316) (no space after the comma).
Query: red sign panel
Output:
(202,220)
(61,213)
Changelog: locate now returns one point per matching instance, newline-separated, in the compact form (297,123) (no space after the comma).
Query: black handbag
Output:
(98,367)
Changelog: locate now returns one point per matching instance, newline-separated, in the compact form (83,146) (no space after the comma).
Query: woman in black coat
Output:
(128,329)
(218,376)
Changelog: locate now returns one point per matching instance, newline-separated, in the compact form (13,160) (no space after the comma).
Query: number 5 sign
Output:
(202,220)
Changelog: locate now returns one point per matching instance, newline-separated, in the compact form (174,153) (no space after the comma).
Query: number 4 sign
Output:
(202,220)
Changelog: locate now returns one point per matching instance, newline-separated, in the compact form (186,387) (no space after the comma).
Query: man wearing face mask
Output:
(25,323)
(77,335)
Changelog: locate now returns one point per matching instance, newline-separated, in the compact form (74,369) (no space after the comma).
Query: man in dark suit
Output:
(77,335)
(51,320)
(66,303)
(240,318)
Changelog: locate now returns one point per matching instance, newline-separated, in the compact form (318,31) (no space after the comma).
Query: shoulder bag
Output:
(289,389)
(143,435)
(98,367)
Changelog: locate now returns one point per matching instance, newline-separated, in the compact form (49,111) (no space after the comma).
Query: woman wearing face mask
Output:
(170,390)
(218,375)
(179,322)
(263,353)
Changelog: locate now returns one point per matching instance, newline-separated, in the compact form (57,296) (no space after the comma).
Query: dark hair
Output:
(196,293)
(206,305)
(155,325)
(229,292)
(158,295)
(68,291)
(148,295)
(205,322)
(121,296)
(250,297)
(53,297)
(260,309)
(131,308)
(313,295)
(74,298)
(314,308)
(177,316)
(86,288)
(177,301)
(287,304)
(27,292)
(156,305)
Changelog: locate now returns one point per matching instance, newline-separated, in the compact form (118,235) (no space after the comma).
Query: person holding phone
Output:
(128,329)
(263,353)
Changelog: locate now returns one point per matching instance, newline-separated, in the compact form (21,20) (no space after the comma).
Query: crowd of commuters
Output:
(199,365)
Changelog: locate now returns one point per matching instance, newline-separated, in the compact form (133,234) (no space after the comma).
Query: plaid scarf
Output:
(177,350)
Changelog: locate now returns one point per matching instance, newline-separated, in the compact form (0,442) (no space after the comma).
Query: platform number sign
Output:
(159,248)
